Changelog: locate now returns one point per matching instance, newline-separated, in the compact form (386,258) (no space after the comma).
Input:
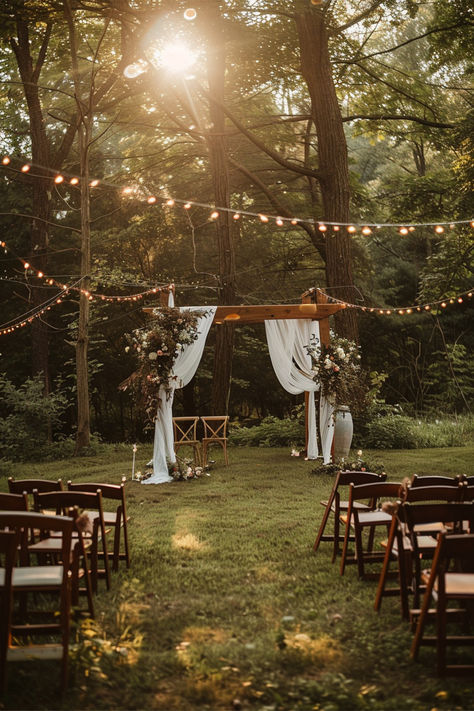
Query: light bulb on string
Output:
(25,168)
(236,216)
(439,229)
(366,231)
(59,179)
(214,215)
(151,200)
(190,14)
(279,221)
(5,160)
(74,181)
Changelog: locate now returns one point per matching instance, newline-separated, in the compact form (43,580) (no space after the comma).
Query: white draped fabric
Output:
(286,340)
(184,367)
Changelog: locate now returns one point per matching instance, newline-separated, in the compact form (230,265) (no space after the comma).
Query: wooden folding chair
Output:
(19,486)
(361,520)
(398,546)
(48,579)
(90,503)
(458,516)
(185,434)
(215,432)
(444,584)
(117,519)
(334,505)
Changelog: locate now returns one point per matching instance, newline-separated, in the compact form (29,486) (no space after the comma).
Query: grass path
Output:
(226,606)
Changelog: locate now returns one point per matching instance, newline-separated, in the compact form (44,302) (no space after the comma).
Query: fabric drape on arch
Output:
(184,368)
(286,340)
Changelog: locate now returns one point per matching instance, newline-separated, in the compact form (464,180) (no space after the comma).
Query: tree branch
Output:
(399,117)
(257,142)
(361,16)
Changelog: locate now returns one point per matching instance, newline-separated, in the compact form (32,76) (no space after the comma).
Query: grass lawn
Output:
(226,606)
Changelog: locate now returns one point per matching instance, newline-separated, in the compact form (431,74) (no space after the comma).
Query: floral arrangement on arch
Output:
(156,348)
(337,367)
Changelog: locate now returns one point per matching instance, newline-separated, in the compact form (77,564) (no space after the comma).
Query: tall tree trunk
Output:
(41,195)
(82,344)
(332,158)
(216,142)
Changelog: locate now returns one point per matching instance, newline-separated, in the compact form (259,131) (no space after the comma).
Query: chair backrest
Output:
(13,502)
(64,500)
(449,512)
(108,491)
(18,486)
(344,478)
(215,427)
(26,521)
(373,492)
(434,493)
(433,480)
(455,550)
(185,429)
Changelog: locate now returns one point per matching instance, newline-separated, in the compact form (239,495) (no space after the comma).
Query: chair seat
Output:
(370,518)
(40,651)
(38,575)
(344,504)
(457,584)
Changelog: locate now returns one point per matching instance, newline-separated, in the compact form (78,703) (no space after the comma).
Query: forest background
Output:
(340,111)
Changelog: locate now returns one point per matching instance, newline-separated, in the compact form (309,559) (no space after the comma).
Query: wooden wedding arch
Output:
(314,305)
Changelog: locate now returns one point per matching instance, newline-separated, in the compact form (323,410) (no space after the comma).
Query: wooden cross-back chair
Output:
(215,432)
(185,434)
(117,519)
(335,505)
(451,578)
(29,580)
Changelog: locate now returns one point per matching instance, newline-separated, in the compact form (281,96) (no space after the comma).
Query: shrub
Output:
(401,432)
(25,417)
(271,432)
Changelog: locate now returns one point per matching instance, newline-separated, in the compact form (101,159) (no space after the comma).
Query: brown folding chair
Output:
(185,434)
(361,520)
(398,546)
(445,583)
(90,503)
(334,505)
(215,432)
(117,519)
(48,579)
(418,519)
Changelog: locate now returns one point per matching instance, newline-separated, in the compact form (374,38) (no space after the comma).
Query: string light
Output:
(438,227)
(402,311)
(214,215)
(279,222)
(263,218)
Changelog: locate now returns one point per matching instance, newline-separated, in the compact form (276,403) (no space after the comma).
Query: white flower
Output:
(152,355)
(340,352)
(127,348)
(359,453)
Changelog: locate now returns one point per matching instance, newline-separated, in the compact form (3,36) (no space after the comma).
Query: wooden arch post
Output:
(324,336)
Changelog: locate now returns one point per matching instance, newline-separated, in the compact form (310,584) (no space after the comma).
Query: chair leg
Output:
(323,523)
(415,646)
(125,541)
(116,553)
(359,551)
(345,545)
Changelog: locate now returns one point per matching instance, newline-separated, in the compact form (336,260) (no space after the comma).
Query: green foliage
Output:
(271,432)
(401,432)
(26,416)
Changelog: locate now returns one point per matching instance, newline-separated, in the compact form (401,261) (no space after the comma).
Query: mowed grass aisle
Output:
(226,606)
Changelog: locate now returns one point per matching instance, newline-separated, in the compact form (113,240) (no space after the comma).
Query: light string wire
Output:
(366,227)
(398,310)
(36,312)
(91,295)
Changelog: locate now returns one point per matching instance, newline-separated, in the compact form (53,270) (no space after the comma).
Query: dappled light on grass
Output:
(187,542)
